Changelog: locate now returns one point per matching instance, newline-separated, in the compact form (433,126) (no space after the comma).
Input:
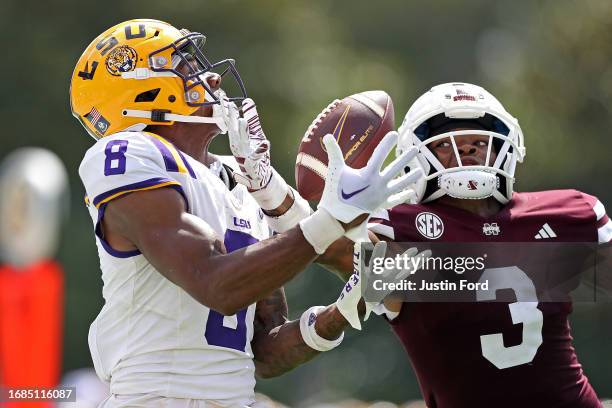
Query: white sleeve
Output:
(380,309)
(124,163)
(604,225)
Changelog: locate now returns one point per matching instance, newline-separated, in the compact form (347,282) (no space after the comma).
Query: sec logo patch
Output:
(429,225)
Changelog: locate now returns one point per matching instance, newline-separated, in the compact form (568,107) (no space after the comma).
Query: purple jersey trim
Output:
(186,163)
(98,229)
(111,251)
(134,186)
(169,161)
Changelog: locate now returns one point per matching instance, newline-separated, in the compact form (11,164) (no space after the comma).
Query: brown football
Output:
(358,122)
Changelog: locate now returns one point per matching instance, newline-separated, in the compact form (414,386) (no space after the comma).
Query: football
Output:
(358,122)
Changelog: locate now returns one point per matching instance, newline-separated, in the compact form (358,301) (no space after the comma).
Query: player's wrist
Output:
(330,323)
(283,208)
(290,217)
(273,196)
(314,334)
(321,229)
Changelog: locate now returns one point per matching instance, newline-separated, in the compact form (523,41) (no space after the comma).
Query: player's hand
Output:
(348,302)
(249,145)
(395,273)
(350,192)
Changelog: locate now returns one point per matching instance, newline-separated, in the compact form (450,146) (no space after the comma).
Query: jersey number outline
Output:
(524,311)
(115,160)
(229,331)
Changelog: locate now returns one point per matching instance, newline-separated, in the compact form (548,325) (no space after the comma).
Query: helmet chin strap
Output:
(469,184)
(218,117)
(173,117)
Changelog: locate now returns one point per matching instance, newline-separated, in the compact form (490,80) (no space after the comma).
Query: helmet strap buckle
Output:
(159,115)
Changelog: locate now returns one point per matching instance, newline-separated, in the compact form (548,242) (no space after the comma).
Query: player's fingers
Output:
(380,249)
(382,151)
(248,108)
(243,131)
(404,196)
(404,272)
(405,181)
(249,112)
(425,254)
(398,165)
(262,148)
(334,154)
(410,252)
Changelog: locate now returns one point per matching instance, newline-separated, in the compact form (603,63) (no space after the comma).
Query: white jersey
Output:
(151,337)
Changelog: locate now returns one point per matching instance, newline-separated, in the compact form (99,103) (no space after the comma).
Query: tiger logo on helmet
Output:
(121,59)
(155,74)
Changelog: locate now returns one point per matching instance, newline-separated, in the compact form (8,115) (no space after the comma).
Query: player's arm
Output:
(186,250)
(338,259)
(603,224)
(278,344)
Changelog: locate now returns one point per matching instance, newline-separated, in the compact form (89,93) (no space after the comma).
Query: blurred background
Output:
(548,62)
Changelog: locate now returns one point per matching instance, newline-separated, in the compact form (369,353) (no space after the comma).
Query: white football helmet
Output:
(460,105)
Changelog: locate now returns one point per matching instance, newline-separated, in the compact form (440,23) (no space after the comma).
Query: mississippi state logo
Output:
(490,229)
(429,225)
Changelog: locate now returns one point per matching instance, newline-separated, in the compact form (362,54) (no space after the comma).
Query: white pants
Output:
(146,401)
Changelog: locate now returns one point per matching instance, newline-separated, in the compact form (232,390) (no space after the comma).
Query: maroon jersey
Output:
(472,354)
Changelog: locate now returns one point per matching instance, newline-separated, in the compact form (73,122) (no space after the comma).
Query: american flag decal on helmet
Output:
(98,121)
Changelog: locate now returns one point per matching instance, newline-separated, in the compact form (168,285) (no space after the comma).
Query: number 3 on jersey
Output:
(524,311)
(115,157)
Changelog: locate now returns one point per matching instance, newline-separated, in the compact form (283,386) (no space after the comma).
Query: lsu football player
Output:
(194,304)
(485,354)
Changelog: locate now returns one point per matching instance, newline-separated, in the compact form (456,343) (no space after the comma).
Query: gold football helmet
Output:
(146,72)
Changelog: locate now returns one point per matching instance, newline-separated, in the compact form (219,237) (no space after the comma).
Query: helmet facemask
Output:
(468,181)
(190,64)
(184,58)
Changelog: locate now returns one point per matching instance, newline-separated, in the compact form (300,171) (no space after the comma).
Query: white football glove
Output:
(395,273)
(351,294)
(249,145)
(350,192)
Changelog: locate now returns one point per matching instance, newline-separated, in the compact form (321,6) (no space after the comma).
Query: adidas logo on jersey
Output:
(545,232)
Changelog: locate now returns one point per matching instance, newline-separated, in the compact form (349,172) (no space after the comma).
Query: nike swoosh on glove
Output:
(350,192)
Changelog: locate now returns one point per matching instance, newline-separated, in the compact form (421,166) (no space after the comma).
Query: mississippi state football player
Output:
(193,280)
(485,354)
